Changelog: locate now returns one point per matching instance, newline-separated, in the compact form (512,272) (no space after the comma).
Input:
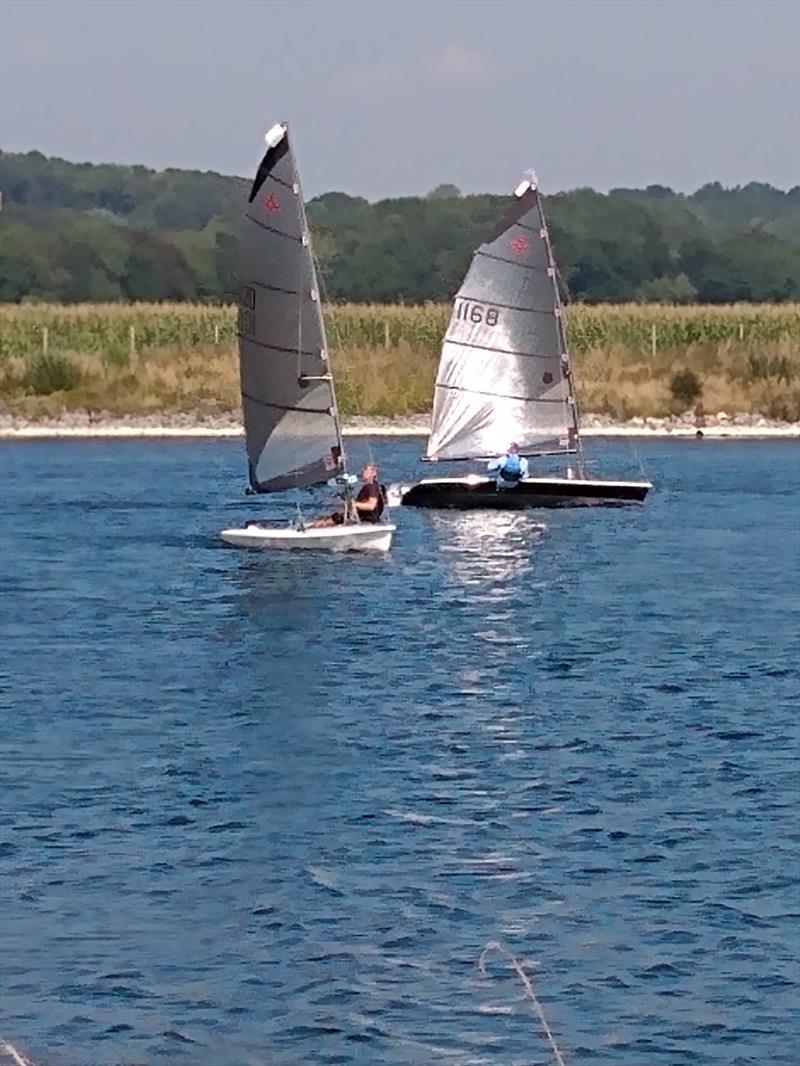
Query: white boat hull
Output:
(352,538)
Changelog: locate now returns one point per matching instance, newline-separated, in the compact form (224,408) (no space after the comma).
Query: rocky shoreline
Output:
(84,424)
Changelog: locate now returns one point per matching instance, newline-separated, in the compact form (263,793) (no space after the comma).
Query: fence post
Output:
(653,339)
(386,337)
(45,339)
(132,345)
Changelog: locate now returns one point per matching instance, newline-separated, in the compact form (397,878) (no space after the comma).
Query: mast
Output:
(314,295)
(566,360)
(349,504)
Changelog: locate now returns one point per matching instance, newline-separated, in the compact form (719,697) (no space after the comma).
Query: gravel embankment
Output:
(85,424)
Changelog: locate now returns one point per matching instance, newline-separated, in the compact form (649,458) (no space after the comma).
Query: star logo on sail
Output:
(272,204)
(520,245)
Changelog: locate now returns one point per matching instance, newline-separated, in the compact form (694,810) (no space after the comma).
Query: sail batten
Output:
(505,351)
(511,262)
(501,395)
(504,369)
(273,229)
(283,351)
(284,407)
(276,288)
(279,181)
(288,401)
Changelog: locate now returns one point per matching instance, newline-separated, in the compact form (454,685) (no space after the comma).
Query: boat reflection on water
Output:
(489,550)
(491,560)
(490,564)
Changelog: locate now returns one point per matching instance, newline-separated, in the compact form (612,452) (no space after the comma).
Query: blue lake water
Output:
(268,809)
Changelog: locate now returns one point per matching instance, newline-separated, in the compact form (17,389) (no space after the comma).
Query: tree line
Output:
(85,232)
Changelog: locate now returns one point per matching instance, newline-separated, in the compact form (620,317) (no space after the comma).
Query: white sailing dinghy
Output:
(291,421)
(504,376)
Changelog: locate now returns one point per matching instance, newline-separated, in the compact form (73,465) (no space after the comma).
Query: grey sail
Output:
(504,373)
(288,400)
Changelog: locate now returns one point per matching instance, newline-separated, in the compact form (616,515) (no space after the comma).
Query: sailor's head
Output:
(513,448)
(370,472)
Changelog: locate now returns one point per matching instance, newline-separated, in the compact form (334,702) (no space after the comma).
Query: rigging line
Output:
(318,294)
(304,240)
(323,289)
(637,456)
(495,945)
(17,1057)
(561,326)
(314,280)
(300,334)
(350,512)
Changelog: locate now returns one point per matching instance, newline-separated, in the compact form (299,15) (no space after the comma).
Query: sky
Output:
(392,97)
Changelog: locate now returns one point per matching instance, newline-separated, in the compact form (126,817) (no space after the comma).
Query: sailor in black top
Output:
(369,502)
(371,498)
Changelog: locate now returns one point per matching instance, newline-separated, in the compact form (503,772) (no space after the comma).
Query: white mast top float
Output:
(275,134)
(528,182)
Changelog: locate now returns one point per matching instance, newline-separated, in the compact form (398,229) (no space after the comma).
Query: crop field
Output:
(129,358)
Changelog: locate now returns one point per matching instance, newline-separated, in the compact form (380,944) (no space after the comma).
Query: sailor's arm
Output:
(367,505)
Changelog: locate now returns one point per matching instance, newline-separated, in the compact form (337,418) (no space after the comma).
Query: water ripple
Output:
(269,810)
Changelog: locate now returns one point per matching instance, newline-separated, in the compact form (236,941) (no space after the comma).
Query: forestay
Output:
(504,372)
(288,401)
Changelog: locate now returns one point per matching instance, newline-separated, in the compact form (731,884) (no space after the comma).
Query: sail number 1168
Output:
(467,311)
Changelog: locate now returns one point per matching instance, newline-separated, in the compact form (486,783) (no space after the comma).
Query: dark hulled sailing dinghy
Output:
(294,438)
(504,376)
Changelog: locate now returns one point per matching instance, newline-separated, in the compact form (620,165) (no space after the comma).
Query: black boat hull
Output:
(475,492)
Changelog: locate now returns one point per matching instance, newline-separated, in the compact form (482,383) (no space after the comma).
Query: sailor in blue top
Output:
(509,469)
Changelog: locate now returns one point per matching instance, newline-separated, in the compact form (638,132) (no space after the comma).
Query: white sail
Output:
(504,373)
(288,401)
